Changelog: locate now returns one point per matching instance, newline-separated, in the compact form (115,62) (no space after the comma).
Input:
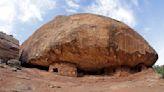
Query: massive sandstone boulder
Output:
(9,47)
(88,42)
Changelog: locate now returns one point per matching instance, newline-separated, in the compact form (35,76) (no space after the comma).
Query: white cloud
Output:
(34,9)
(7,28)
(72,4)
(114,9)
(7,16)
(22,11)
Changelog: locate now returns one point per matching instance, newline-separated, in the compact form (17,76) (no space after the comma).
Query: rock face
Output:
(9,47)
(89,42)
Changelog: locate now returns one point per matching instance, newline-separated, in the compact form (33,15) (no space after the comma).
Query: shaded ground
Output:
(34,80)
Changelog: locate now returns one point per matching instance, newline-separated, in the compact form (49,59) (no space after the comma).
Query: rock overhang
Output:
(88,41)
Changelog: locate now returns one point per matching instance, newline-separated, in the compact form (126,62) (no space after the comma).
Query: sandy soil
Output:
(35,80)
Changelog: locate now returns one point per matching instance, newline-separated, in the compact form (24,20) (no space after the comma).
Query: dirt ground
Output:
(35,80)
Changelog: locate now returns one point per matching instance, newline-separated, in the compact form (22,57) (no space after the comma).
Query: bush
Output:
(160,70)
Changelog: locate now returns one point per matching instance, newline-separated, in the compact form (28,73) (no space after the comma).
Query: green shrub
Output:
(160,70)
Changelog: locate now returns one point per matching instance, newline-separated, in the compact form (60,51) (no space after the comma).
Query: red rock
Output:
(90,42)
(9,47)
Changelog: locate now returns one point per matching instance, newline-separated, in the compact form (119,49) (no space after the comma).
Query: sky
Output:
(21,18)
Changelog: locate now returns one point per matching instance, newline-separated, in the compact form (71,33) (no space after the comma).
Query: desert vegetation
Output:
(160,70)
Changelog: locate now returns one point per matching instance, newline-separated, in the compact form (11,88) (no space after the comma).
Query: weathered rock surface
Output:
(89,41)
(2,61)
(14,63)
(9,47)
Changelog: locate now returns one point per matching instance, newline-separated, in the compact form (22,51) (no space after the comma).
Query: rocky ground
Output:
(35,80)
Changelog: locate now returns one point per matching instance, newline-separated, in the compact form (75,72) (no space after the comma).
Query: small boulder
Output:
(14,63)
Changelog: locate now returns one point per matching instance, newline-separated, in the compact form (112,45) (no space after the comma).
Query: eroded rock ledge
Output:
(9,47)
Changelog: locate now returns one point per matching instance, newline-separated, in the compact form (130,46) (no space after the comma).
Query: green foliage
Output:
(160,70)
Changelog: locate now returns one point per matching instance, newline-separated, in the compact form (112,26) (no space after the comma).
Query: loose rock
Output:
(14,63)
